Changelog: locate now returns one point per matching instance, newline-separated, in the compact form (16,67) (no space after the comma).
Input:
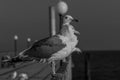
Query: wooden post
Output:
(87,67)
(52,22)
(69,69)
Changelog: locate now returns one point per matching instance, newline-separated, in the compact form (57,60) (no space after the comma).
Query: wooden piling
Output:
(87,66)
(69,69)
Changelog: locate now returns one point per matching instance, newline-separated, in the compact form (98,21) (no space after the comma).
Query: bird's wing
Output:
(45,48)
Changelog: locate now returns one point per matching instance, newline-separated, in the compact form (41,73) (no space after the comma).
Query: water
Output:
(104,65)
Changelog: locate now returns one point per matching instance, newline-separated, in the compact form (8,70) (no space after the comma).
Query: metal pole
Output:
(15,45)
(28,42)
(52,22)
(60,21)
(60,26)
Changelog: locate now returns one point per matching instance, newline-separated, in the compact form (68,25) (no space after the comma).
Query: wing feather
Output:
(46,47)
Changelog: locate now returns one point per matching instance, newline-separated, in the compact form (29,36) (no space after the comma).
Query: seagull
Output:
(57,47)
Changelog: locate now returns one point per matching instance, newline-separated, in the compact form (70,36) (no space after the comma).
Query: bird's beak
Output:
(75,20)
(77,32)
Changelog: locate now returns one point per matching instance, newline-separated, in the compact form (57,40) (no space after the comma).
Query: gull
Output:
(50,49)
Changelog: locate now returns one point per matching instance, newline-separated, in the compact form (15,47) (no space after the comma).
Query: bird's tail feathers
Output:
(17,59)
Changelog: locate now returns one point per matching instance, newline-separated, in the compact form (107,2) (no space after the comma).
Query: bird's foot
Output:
(57,76)
(42,60)
(53,67)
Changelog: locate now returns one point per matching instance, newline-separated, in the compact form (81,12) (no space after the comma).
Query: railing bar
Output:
(40,71)
(7,72)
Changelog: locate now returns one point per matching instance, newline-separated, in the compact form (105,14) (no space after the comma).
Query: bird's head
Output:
(67,19)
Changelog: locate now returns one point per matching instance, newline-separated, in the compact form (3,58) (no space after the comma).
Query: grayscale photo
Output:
(59,40)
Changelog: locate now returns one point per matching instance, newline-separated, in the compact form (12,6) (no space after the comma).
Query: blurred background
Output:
(99,22)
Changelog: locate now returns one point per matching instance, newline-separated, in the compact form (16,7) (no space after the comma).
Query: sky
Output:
(99,22)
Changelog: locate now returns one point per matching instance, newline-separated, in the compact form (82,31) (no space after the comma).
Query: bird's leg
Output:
(53,67)
(43,60)
(52,62)
(64,60)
